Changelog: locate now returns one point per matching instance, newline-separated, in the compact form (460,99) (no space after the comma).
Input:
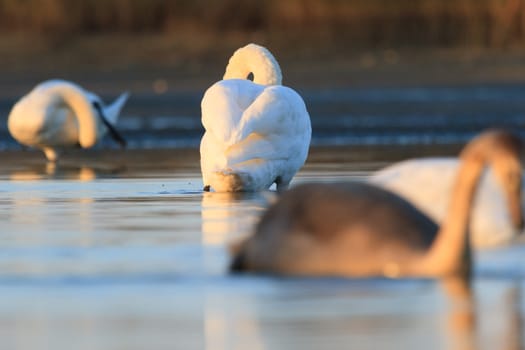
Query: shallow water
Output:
(122,250)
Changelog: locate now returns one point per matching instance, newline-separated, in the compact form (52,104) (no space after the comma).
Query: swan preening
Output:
(427,183)
(361,230)
(257,133)
(58,114)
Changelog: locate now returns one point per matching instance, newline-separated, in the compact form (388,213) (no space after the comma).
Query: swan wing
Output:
(256,146)
(233,109)
(427,183)
(276,126)
(223,105)
(278,110)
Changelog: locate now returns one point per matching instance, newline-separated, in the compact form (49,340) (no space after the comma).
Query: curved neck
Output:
(77,100)
(257,60)
(450,252)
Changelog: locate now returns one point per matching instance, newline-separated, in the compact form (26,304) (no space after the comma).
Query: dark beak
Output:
(112,131)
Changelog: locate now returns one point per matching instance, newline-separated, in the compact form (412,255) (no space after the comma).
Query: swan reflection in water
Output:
(303,312)
(36,207)
(227,216)
(61,171)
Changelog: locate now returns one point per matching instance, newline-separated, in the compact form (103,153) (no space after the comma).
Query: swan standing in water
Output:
(58,114)
(427,183)
(257,133)
(360,230)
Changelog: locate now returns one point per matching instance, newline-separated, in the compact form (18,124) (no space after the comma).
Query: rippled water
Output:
(115,250)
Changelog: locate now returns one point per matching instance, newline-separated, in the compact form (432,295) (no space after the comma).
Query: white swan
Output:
(360,230)
(256,133)
(428,182)
(59,114)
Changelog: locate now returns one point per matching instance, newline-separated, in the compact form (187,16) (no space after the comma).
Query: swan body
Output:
(361,230)
(58,114)
(427,183)
(256,133)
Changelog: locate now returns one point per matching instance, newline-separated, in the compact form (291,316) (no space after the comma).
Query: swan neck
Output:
(77,100)
(450,252)
(256,60)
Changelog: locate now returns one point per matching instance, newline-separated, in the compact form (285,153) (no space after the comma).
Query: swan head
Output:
(502,151)
(255,60)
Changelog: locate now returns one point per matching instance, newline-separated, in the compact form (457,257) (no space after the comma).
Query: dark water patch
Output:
(476,93)
(345,116)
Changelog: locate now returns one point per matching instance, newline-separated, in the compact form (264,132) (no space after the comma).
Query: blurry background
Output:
(166,53)
(360,23)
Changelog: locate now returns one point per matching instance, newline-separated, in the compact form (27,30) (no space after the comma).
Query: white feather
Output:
(427,183)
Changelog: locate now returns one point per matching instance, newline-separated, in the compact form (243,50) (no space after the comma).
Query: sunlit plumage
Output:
(58,114)
(257,133)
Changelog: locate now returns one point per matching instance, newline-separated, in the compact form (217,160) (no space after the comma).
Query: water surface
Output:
(122,250)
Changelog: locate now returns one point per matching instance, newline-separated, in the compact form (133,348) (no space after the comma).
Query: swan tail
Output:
(112,111)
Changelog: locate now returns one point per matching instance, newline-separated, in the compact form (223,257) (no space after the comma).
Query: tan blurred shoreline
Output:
(366,23)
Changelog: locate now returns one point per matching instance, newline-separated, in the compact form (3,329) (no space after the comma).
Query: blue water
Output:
(122,250)
(135,258)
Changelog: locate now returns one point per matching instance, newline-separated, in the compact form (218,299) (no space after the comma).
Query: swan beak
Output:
(112,131)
